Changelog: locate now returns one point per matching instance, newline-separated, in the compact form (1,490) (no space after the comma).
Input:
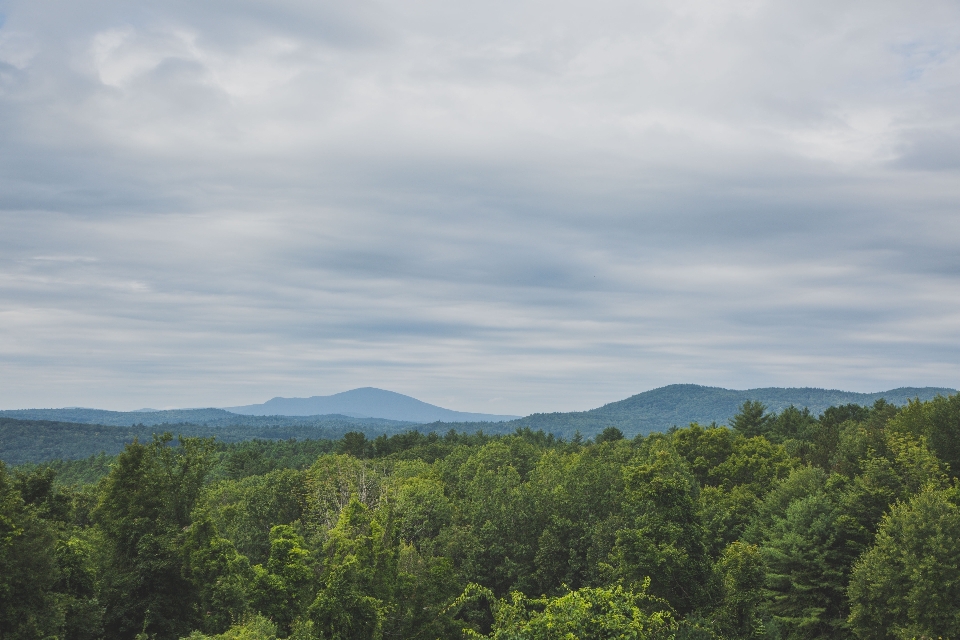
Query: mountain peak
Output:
(365,402)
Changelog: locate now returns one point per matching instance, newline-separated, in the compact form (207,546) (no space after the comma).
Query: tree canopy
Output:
(787,525)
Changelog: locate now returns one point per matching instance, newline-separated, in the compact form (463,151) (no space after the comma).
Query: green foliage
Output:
(358,574)
(805,579)
(610,434)
(741,574)
(255,628)
(585,614)
(907,585)
(244,510)
(28,572)
(938,421)
(220,576)
(752,419)
(145,505)
(663,536)
(823,527)
(283,588)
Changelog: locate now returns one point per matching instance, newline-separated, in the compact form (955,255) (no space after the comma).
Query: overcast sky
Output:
(502,207)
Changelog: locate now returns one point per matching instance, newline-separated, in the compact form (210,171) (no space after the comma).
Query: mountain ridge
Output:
(680,404)
(366,402)
(34,435)
(209,417)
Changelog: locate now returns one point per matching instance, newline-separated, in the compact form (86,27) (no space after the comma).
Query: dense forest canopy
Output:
(784,525)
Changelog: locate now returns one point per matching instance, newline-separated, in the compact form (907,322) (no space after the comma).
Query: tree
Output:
(28,571)
(741,574)
(752,419)
(806,574)
(283,589)
(255,628)
(220,576)
(359,575)
(610,434)
(824,436)
(575,504)
(243,511)
(908,584)
(663,537)
(585,614)
(792,424)
(939,422)
(144,507)
(493,506)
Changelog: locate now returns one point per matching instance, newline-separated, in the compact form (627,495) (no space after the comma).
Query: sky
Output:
(500,207)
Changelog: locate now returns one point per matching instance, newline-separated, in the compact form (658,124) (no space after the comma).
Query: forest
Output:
(781,525)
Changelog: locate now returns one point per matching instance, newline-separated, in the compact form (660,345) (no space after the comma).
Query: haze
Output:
(500,207)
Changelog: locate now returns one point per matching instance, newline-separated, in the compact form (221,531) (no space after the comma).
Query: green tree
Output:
(77,585)
(805,577)
(752,419)
(221,577)
(243,511)
(610,434)
(824,436)
(938,421)
(792,424)
(144,507)
(494,508)
(663,537)
(283,589)
(908,584)
(359,574)
(741,574)
(585,614)
(29,608)
(576,500)
(254,628)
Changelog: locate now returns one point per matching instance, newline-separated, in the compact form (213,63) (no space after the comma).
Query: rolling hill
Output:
(366,402)
(36,435)
(201,417)
(681,404)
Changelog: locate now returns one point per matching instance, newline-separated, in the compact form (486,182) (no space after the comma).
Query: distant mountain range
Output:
(40,440)
(366,402)
(681,404)
(201,417)
(34,435)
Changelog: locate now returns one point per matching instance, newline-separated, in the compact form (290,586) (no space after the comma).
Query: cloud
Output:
(502,207)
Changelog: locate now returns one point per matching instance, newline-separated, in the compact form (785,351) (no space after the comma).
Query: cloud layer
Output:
(497,207)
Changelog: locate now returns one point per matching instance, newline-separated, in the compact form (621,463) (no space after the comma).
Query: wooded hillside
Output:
(786,525)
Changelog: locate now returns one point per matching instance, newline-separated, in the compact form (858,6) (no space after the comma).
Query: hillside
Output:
(23,441)
(721,536)
(35,435)
(366,402)
(681,404)
(201,417)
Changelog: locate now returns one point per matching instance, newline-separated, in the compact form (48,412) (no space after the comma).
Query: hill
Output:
(24,441)
(200,417)
(36,435)
(366,402)
(681,404)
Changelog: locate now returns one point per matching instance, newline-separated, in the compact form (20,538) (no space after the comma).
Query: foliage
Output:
(586,614)
(786,526)
(907,585)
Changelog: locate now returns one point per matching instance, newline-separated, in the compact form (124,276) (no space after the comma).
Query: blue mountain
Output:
(366,402)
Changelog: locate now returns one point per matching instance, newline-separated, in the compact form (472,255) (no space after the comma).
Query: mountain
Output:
(681,404)
(25,441)
(35,435)
(366,402)
(198,417)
